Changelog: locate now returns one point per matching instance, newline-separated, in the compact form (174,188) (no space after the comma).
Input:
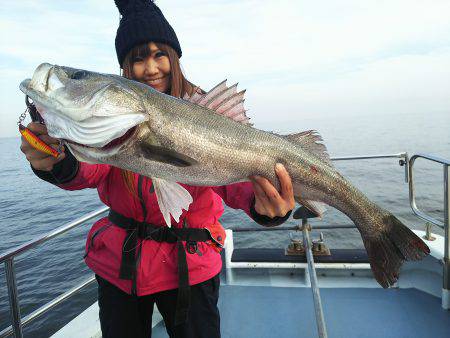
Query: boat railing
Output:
(446,225)
(8,257)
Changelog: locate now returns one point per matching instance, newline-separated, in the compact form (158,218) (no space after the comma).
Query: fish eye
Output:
(78,75)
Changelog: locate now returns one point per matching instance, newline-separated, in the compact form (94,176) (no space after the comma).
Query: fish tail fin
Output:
(389,249)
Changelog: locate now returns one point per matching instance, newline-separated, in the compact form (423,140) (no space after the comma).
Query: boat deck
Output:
(265,311)
(267,294)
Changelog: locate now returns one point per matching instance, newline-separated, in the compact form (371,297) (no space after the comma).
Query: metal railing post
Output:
(321,328)
(446,271)
(13,299)
(406,168)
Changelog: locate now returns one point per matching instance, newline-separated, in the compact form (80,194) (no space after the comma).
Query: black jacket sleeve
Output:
(265,220)
(63,171)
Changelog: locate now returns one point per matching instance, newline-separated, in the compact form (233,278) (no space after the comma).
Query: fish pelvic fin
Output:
(223,100)
(389,249)
(172,199)
(311,141)
(318,208)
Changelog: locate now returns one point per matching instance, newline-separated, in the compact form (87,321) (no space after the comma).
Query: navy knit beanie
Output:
(142,21)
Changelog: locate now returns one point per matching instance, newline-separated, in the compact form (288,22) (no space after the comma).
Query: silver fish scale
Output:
(226,152)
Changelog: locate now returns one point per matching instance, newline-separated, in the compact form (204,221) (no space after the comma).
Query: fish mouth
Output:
(44,81)
(88,126)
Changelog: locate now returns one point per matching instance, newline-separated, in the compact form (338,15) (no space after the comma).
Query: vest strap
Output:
(146,231)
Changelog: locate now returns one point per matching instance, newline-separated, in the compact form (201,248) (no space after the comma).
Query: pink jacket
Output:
(157,267)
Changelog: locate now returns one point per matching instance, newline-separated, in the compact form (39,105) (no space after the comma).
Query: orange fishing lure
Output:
(36,142)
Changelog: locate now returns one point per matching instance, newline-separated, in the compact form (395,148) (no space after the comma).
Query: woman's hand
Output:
(270,202)
(38,159)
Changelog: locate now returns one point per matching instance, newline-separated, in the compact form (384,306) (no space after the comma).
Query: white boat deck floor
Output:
(264,311)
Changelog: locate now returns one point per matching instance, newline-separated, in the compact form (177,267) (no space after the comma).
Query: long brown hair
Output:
(179,86)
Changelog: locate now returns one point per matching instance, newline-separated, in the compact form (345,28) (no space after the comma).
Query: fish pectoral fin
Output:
(164,155)
(316,207)
(172,199)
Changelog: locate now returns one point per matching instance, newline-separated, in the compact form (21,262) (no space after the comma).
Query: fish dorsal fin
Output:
(213,92)
(196,97)
(217,99)
(223,100)
(310,140)
(172,199)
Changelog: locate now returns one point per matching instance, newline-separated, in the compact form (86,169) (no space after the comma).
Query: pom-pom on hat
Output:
(142,21)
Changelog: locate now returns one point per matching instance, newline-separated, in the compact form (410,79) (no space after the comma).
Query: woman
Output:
(135,269)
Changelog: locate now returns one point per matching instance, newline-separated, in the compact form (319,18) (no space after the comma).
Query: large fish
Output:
(205,140)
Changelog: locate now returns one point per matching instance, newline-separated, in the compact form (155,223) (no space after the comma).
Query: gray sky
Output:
(295,58)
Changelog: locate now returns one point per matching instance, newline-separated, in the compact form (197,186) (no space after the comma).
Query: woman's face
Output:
(154,69)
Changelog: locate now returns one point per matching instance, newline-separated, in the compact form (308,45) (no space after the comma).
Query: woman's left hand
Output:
(270,202)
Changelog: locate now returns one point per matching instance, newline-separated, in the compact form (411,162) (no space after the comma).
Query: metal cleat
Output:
(319,248)
(295,248)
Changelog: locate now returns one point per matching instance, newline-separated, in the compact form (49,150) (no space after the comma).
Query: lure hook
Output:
(28,135)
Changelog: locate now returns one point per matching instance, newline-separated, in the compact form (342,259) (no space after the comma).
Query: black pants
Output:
(123,315)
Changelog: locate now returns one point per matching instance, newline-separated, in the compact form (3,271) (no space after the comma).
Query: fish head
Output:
(94,114)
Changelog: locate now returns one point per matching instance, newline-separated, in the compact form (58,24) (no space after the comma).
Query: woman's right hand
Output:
(38,159)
